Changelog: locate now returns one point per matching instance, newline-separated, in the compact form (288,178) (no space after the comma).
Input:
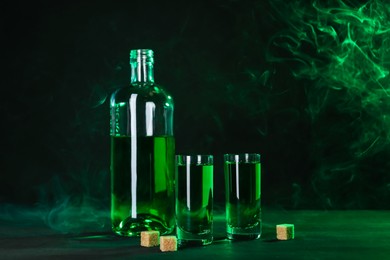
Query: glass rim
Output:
(194,159)
(242,157)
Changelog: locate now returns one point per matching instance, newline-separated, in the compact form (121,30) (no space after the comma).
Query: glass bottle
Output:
(142,153)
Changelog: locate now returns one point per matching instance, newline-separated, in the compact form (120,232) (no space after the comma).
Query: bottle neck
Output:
(141,63)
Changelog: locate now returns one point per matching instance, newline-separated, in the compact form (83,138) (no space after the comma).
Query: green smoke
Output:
(340,51)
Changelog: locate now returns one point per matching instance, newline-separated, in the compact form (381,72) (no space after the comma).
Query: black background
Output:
(61,62)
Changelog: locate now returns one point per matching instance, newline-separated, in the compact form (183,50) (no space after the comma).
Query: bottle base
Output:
(132,227)
(136,231)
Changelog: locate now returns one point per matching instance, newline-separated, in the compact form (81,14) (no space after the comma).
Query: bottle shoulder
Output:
(150,92)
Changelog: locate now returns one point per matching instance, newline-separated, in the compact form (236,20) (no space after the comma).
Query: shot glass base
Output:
(235,233)
(194,242)
(190,239)
(242,236)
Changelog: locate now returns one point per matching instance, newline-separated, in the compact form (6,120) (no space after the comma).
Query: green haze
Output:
(340,52)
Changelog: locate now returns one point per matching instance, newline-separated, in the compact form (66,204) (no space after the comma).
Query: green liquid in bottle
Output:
(142,174)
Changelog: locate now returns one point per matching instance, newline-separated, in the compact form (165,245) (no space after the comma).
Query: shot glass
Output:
(194,199)
(243,194)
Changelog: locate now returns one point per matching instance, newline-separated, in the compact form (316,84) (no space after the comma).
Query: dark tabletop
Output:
(318,235)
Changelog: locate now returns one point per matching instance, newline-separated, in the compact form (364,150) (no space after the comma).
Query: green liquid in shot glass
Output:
(243,199)
(194,203)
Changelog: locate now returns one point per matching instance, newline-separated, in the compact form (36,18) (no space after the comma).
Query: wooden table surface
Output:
(318,235)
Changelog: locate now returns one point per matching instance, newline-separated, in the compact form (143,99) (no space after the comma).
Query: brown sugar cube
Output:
(168,243)
(150,238)
(285,231)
